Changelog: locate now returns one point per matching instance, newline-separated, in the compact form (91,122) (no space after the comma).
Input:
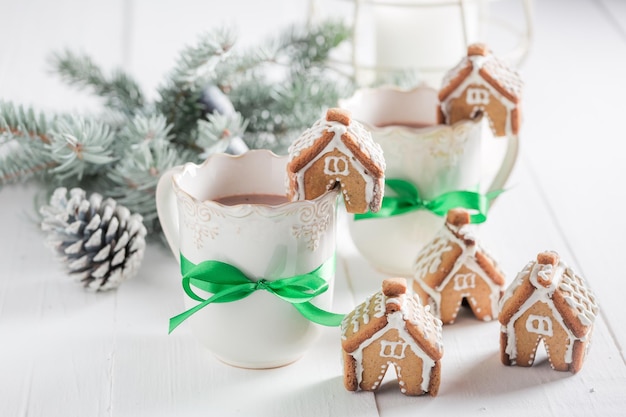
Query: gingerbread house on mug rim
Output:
(547,301)
(481,83)
(337,151)
(391,327)
(454,267)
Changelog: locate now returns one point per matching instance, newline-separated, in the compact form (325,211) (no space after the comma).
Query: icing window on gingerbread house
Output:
(477,96)
(539,324)
(464,281)
(336,165)
(481,80)
(337,152)
(395,350)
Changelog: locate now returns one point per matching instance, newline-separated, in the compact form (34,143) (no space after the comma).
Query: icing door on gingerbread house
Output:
(399,350)
(392,328)
(469,285)
(542,322)
(547,301)
(337,168)
(337,152)
(477,99)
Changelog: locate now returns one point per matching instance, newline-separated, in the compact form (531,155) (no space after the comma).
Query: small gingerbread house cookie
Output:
(392,328)
(481,83)
(337,151)
(453,267)
(547,301)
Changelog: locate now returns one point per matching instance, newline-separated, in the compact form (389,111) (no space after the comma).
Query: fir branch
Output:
(278,89)
(18,163)
(182,110)
(144,128)
(80,147)
(278,106)
(180,94)
(294,49)
(198,61)
(311,47)
(215,134)
(17,121)
(133,180)
(22,143)
(292,107)
(121,92)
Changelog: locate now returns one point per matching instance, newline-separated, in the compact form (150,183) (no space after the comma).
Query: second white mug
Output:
(436,159)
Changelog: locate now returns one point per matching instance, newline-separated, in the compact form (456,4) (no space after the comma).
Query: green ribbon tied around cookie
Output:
(407,199)
(227,284)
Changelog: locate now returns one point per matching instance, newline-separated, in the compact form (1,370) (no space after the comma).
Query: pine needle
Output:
(277,89)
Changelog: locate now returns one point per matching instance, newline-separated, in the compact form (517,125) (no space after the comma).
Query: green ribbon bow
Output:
(227,283)
(407,199)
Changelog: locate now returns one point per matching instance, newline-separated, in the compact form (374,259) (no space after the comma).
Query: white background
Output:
(66,352)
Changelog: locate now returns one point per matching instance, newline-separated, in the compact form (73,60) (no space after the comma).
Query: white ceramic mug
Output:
(263,241)
(435,158)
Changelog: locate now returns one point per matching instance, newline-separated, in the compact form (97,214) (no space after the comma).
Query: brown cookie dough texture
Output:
(482,84)
(547,301)
(391,327)
(453,267)
(337,151)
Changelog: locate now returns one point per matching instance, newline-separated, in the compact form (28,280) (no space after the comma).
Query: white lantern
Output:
(426,36)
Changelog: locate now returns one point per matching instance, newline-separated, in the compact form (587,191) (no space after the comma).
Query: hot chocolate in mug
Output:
(435,159)
(233,210)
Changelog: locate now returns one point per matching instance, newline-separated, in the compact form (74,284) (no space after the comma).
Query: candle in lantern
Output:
(424,35)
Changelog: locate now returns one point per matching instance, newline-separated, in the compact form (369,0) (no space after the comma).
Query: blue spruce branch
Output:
(268,95)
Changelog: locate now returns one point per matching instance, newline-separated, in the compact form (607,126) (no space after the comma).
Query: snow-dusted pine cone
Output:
(100,241)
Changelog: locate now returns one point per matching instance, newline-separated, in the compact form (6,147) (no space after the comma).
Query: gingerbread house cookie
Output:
(482,83)
(547,301)
(392,328)
(453,267)
(337,151)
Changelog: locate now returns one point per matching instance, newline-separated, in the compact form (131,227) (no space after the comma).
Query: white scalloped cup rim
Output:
(404,112)
(185,182)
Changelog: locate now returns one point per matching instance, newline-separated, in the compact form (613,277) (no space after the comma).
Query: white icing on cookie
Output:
(338,165)
(543,295)
(578,297)
(546,279)
(429,260)
(411,311)
(508,79)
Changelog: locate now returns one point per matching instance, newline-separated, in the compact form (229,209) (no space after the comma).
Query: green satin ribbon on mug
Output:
(227,283)
(407,199)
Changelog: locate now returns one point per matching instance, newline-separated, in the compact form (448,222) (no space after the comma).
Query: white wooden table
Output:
(66,352)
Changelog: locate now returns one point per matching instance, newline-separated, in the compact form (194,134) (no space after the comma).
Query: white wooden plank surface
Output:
(573,141)
(185,379)
(615,11)
(473,380)
(64,352)
(56,342)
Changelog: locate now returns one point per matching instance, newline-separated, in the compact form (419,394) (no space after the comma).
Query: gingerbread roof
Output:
(338,130)
(549,278)
(493,71)
(360,324)
(450,249)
